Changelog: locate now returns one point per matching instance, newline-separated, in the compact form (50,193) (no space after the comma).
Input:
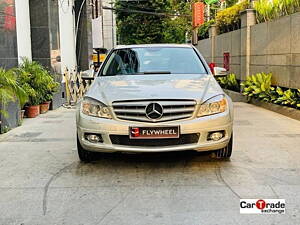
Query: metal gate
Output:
(76,87)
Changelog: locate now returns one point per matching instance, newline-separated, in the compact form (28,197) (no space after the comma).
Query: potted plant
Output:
(32,108)
(29,78)
(38,84)
(49,87)
(10,91)
(44,107)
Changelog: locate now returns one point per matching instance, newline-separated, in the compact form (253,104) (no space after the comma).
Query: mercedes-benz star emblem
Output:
(154,111)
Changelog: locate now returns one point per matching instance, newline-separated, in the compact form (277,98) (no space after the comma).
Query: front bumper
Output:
(107,127)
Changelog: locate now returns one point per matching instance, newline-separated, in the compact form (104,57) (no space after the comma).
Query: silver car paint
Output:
(186,86)
(199,87)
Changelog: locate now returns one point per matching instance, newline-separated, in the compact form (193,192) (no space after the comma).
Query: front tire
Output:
(84,155)
(225,153)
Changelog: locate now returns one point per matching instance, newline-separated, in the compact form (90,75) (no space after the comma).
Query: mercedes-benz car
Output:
(155,98)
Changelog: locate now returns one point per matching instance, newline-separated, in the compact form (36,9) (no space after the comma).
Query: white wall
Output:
(108,37)
(109,25)
(67,35)
(23,29)
(97,33)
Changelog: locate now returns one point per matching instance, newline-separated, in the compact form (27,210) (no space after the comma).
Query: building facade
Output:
(8,34)
(58,34)
(104,24)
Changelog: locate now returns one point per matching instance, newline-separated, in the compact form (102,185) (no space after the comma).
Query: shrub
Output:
(259,86)
(203,31)
(269,10)
(10,89)
(229,18)
(231,2)
(288,97)
(229,82)
(36,81)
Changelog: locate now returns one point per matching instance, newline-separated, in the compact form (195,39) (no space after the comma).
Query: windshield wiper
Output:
(155,72)
(140,73)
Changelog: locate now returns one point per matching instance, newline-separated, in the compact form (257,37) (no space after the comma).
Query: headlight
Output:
(92,107)
(214,105)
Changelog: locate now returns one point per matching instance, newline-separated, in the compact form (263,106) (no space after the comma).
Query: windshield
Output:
(154,60)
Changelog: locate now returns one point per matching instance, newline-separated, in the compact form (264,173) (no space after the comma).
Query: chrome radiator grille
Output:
(135,110)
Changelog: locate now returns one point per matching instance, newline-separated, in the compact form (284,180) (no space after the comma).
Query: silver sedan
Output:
(154,98)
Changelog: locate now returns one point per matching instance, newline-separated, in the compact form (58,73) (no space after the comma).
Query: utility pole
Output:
(112,26)
(208,11)
(102,18)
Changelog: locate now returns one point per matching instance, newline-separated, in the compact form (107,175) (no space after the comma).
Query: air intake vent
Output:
(182,140)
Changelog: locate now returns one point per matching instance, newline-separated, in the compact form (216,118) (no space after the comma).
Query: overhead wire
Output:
(145,12)
(141,8)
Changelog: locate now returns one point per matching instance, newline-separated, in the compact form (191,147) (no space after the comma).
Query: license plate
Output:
(153,132)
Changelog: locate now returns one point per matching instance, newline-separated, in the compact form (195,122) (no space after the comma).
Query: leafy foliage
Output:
(36,81)
(229,18)
(229,82)
(231,2)
(177,28)
(137,28)
(288,97)
(259,86)
(10,90)
(204,28)
(269,10)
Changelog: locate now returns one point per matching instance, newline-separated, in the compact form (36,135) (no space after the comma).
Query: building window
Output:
(8,36)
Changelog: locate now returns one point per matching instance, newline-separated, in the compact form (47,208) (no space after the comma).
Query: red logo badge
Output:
(135,132)
(260,204)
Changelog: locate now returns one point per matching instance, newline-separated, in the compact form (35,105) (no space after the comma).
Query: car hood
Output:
(108,89)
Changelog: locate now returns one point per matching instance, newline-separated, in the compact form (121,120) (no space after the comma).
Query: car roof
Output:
(154,45)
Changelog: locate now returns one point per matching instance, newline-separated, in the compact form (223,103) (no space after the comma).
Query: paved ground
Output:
(42,181)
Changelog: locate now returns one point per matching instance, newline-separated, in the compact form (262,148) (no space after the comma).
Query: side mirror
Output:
(220,72)
(87,75)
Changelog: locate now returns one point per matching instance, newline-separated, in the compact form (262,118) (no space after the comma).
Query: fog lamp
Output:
(95,138)
(215,136)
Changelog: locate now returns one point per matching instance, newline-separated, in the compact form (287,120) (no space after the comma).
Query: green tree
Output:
(231,2)
(137,28)
(177,27)
(168,21)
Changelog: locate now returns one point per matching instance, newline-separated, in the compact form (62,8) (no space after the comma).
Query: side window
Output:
(121,62)
(114,65)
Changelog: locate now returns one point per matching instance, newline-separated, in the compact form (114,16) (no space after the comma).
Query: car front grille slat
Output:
(179,110)
(135,110)
(174,117)
(134,118)
(162,102)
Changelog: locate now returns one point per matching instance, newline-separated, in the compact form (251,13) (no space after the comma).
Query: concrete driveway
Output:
(42,181)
